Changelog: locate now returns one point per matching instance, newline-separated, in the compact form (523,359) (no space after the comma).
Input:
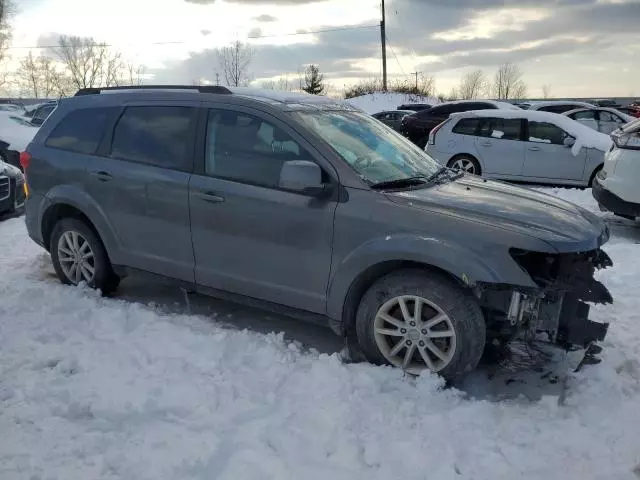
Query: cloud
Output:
(265,18)
(442,35)
(257,2)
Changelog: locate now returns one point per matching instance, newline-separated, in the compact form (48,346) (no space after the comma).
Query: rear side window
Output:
(467,126)
(159,136)
(80,131)
(501,128)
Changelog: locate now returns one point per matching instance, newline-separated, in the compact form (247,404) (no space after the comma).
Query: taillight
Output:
(434,130)
(25,159)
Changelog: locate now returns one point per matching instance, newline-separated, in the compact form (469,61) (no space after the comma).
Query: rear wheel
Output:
(465,163)
(78,255)
(419,321)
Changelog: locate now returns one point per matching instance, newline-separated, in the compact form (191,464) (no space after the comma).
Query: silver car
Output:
(524,145)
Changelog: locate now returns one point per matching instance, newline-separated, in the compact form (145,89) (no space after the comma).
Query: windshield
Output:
(373,150)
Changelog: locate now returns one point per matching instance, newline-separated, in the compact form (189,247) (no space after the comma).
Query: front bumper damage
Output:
(558,310)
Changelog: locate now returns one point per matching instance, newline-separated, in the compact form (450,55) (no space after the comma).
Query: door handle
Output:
(486,144)
(534,149)
(211,197)
(102,175)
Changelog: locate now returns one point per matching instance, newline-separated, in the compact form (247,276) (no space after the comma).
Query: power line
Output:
(395,56)
(182,42)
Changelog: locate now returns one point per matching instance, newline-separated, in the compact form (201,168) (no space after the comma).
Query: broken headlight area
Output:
(557,311)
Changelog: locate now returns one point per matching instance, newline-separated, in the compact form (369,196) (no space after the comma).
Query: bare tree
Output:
(508,82)
(546,91)
(134,74)
(313,81)
(84,59)
(473,85)
(234,62)
(282,83)
(6,12)
(36,76)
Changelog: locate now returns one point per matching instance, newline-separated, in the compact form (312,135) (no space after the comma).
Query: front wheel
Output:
(419,321)
(78,256)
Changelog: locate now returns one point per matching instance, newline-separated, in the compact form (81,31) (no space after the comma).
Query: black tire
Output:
(104,279)
(461,307)
(476,164)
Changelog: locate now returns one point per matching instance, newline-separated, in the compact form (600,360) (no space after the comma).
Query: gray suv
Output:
(303,205)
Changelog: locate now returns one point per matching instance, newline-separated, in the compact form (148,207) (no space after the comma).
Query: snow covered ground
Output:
(126,388)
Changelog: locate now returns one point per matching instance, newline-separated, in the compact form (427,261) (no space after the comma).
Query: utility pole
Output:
(416,74)
(383,35)
(217,78)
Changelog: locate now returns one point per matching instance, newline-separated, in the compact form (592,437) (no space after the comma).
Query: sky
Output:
(580,48)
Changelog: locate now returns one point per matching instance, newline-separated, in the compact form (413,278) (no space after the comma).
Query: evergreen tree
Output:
(313,80)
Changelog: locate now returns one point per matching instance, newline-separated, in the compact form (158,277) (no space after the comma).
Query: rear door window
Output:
(81,130)
(501,128)
(156,135)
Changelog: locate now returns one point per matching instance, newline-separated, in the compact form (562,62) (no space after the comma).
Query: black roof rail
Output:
(199,88)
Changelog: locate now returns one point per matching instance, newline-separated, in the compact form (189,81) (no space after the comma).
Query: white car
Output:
(519,145)
(602,119)
(555,106)
(616,185)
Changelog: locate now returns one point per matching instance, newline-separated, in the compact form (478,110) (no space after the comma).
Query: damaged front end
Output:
(557,311)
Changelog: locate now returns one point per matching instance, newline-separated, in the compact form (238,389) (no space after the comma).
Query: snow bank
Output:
(378,102)
(95,388)
(585,136)
(16,135)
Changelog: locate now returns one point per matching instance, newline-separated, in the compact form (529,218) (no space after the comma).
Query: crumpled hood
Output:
(563,225)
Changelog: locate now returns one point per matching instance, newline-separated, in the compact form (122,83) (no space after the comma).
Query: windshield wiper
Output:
(440,175)
(400,183)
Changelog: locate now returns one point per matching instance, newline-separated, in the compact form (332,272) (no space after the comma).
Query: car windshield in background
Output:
(376,152)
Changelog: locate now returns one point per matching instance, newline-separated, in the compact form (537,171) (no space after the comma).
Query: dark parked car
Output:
(393,118)
(41,113)
(304,205)
(417,127)
(414,107)
(12,193)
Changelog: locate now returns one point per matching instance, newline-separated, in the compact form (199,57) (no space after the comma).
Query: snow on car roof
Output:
(496,103)
(551,103)
(16,134)
(585,136)
(614,111)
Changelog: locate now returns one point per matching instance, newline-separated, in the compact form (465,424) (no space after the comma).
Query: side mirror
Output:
(569,141)
(303,176)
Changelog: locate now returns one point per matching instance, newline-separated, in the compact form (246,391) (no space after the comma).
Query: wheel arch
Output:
(68,201)
(594,173)
(378,257)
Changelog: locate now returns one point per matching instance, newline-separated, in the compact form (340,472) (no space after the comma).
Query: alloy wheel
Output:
(465,165)
(414,334)
(76,257)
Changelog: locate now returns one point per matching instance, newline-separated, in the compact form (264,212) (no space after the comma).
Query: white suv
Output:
(616,185)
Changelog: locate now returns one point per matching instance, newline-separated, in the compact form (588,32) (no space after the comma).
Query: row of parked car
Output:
(557,142)
(18,125)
